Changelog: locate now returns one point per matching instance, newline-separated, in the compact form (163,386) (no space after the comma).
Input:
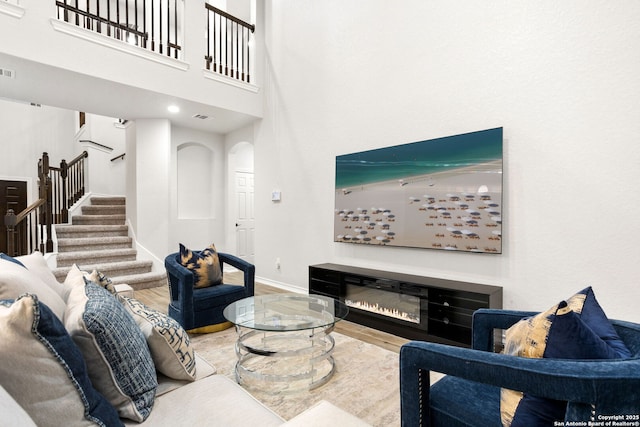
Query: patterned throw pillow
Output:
(99,278)
(204,265)
(573,329)
(43,369)
(117,356)
(168,342)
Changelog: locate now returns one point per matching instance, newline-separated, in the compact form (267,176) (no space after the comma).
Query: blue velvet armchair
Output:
(201,308)
(469,394)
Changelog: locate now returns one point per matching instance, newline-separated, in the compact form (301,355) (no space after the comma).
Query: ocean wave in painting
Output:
(418,158)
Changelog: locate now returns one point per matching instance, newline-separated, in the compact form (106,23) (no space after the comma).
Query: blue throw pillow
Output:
(43,369)
(115,350)
(574,329)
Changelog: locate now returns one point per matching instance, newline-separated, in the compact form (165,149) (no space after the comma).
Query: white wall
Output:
(27,132)
(131,173)
(560,77)
(101,130)
(153,151)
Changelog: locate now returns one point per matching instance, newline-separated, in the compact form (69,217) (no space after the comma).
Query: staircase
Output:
(99,239)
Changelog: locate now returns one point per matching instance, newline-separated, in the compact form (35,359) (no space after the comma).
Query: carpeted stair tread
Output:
(110,269)
(142,281)
(103,210)
(65,259)
(98,219)
(79,231)
(94,243)
(108,200)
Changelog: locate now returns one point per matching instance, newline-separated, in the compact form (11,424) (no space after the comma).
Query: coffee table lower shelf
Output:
(284,361)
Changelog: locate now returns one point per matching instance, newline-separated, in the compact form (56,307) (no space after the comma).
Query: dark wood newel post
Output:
(64,169)
(10,221)
(46,214)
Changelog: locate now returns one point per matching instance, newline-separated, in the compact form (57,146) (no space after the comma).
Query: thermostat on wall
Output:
(275,196)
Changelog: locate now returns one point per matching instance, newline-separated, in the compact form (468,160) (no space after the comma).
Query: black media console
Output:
(413,307)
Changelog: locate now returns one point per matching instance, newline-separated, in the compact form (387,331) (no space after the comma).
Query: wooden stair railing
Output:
(58,189)
(25,230)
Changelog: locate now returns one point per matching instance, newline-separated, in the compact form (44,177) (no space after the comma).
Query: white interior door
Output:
(245,220)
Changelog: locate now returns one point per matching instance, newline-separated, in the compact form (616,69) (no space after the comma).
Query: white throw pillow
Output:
(16,280)
(36,264)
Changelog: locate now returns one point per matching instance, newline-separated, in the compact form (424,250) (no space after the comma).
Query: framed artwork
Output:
(443,193)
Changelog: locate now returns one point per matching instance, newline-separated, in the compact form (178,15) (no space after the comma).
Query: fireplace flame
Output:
(389,312)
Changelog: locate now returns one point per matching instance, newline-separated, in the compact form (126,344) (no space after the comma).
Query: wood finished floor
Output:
(158,298)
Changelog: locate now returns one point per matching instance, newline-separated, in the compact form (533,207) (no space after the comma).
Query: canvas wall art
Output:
(443,193)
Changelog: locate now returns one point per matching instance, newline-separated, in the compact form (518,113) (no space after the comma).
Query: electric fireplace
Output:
(413,307)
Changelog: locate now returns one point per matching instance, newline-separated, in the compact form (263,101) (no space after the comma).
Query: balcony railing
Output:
(228,43)
(157,25)
(154,24)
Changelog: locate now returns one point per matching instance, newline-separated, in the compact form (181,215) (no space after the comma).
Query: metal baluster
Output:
(144,23)
(160,24)
(236,49)
(127,20)
(109,18)
(248,58)
(153,27)
(175,26)
(118,30)
(168,28)
(216,39)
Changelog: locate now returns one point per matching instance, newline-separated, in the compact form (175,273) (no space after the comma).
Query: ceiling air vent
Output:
(7,73)
(200,116)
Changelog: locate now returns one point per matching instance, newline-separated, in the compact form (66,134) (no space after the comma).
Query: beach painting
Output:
(443,193)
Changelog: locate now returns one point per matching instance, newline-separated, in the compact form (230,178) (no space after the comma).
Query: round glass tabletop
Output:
(285,312)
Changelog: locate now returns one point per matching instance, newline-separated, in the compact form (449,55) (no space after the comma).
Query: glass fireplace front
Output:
(385,298)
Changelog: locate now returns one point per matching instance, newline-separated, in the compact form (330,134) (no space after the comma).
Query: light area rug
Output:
(365,383)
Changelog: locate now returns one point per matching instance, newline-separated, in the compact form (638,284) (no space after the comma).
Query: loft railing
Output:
(155,25)
(58,189)
(228,43)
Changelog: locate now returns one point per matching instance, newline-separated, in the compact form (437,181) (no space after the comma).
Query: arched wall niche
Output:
(195,181)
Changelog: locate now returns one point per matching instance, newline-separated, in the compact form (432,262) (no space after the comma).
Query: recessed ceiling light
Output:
(173,109)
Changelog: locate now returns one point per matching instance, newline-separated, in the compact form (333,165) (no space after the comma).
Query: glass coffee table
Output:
(284,340)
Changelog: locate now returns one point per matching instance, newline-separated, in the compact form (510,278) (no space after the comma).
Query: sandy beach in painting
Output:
(459,209)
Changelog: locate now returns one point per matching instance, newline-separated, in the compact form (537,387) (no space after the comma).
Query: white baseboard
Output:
(285,286)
